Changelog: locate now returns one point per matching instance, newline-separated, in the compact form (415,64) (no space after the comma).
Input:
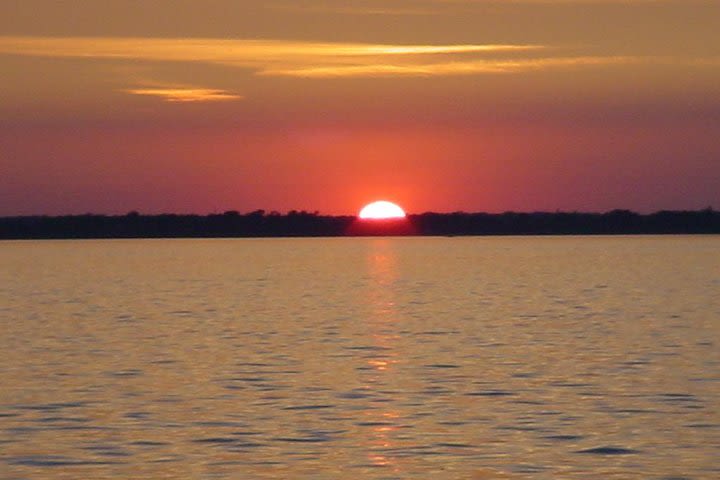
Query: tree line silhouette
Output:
(308,224)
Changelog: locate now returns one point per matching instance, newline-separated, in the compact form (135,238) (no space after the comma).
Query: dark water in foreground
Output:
(445,358)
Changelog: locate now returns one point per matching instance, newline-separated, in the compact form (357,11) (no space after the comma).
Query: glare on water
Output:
(456,358)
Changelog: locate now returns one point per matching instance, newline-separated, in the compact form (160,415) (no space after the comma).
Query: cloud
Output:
(314,59)
(246,53)
(265,57)
(185,94)
(492,66)
(453,68)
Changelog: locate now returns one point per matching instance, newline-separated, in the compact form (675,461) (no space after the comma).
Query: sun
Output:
(381,210)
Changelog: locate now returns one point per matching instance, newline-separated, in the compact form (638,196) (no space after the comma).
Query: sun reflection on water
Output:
(383,320)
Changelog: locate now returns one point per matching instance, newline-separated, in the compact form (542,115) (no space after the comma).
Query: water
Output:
(446,358)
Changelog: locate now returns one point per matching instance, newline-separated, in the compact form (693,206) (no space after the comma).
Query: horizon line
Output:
(276,213)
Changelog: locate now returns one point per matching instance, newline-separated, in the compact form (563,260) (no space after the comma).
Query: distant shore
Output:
(311,224)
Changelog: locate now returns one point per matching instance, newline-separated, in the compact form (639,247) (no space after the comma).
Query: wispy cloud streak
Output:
(314,59)
(185,94)
(453,68)
(230,52)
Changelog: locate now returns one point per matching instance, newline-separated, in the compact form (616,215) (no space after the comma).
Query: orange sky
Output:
(443,105)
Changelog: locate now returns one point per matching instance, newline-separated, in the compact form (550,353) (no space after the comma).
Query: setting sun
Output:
(380,210)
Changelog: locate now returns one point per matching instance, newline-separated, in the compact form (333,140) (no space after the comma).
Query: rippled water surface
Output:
(444,358)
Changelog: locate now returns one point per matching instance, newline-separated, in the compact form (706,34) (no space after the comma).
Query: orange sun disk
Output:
(380,210)
(381,218)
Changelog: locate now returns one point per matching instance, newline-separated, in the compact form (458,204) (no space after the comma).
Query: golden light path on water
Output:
(383,320)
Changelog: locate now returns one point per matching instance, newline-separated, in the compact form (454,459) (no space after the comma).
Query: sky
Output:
(190,106)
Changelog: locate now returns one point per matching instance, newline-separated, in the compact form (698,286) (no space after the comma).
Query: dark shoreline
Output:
(306,224)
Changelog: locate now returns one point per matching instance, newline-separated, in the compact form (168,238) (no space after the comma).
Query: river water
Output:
(374,358)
